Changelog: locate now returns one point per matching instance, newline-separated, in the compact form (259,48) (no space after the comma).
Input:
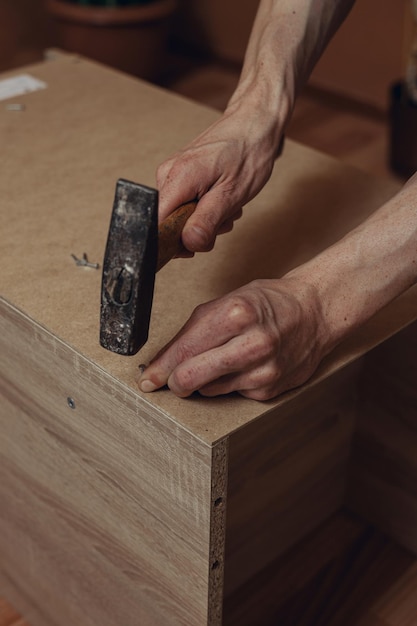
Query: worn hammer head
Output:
(129,268)
(136,249)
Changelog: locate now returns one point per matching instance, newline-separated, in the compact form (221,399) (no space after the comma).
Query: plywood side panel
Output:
(383,482)
(106,506)
(287,473)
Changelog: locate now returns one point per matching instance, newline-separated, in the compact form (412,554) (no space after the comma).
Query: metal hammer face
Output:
(135,251)
(129,268)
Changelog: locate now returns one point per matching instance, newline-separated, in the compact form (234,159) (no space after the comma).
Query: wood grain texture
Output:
(344,573)
(106,505)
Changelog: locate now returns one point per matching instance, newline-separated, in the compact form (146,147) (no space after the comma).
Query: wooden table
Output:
(119,508)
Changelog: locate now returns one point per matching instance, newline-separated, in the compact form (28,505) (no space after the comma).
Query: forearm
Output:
(270,335)
(229,163)
(287,39)
(369,267)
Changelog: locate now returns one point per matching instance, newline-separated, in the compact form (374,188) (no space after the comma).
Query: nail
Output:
(147,386)
(85,262)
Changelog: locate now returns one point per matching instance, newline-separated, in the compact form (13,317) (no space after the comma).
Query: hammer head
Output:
(129,268)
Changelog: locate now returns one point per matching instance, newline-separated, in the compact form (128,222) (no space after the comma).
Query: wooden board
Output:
(120,506)
(344,572)
(103,498)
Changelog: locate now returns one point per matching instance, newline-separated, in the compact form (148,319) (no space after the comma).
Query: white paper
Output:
(19,85)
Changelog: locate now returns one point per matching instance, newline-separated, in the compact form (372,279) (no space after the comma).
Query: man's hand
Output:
(223,168)
(269,336)
(229,163)
(259,340)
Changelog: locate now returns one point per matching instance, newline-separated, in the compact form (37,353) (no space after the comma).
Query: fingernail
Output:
(200,234)
(199,231)
(147,386)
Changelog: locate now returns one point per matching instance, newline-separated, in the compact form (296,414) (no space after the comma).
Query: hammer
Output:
(136,249)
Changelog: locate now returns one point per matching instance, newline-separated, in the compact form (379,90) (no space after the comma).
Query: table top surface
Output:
(61,158)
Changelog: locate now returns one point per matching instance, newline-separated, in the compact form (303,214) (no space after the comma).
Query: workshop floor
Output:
(370,581)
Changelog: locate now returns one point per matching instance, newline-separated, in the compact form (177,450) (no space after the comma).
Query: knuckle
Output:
(261,344)
(163,170)
(173,168)
(267,377)
(270,375)
(264,383)
(184,351)
(240,312)
(184,380)
(200,312)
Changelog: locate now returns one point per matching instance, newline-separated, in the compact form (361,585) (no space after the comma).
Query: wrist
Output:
(264,111)
(294,298)
(338,306)
(361,273)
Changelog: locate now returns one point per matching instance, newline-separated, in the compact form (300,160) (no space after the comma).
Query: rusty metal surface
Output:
(129,268)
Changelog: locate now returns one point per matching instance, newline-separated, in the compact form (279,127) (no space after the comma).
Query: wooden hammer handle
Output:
(169,233)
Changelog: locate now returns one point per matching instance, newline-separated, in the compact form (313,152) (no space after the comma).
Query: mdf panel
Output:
(106,506)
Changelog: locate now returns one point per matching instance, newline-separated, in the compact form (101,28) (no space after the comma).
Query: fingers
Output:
(223,169)
(214,373)
(203,332)
(260,341)
(257,383)
(216,211)
(179,181)
(215,214)
(211,171)
(228,224)
(214,354)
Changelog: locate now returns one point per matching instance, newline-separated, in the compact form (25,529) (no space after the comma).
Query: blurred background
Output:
(343,111)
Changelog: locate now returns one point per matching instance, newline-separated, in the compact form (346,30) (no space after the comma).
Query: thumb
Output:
(201,229)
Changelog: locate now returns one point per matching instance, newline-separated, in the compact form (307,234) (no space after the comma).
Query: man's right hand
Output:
(223,168)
